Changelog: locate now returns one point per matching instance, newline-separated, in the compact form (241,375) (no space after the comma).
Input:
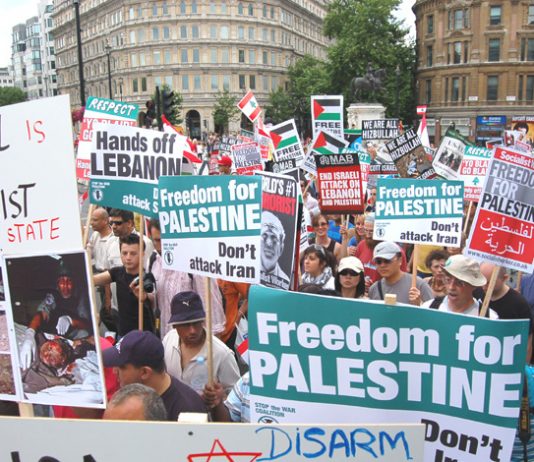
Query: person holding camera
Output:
(127,280)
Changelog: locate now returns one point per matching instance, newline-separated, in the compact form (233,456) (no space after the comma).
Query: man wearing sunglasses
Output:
(387,257)
(462,278)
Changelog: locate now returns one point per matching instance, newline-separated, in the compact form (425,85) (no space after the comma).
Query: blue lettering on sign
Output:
(315,442)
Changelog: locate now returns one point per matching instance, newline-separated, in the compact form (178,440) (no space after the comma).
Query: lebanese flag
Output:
(188,147)
(326,143)
(421,110)
(249,106)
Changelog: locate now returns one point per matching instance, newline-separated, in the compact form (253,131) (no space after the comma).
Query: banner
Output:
(525,126)
(211,226)
(416,211)
(100,110)
(38,197)
(380,129)
(94,440)
(449,155)
(246,158)
(278,229)
(366,362)
(473,171)
(286,142)
(126,163)
(54,351)
(325,143)
(503,226)
(409,156)
(327,115)
(340,183)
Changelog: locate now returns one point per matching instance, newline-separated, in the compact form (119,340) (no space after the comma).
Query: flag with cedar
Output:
(249,106)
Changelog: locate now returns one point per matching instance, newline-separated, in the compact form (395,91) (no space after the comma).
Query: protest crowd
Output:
(339,219)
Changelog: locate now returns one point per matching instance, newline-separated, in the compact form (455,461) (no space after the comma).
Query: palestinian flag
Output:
(249,106)
(284,134)
(325,143)
(327,107)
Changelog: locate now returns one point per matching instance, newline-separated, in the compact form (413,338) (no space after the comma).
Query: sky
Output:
(17,11)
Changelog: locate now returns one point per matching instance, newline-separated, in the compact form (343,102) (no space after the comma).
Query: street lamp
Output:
(397,96)
(108,52)
(80,58)
(120,86)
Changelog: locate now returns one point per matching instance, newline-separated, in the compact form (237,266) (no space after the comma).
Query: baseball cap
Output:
(351,263)
(225,161)
(186,307)
(140,348)
(465,269)
(386,250)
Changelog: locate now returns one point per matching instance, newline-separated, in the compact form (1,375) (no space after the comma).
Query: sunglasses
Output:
(382,261)
(116,223)
(348,272)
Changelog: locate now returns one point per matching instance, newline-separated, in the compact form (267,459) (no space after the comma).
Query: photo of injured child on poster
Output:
(55,329)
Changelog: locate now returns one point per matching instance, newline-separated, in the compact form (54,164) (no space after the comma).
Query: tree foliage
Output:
(279,107)
(11,95)
(365,32)
(225,110)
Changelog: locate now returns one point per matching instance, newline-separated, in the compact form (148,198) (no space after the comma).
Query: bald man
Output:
(272,246)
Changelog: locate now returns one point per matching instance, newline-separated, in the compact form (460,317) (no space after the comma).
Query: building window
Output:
(429,55)
(466,52)
(527,49)
(213,32)
(264,11)
(493,88)
(156,58)
(168,81)
(185,82)
(464,88)
(265,83)
(457,49)
(167,57)
(135,86)
(224,56)
(495,15)
(184,56)
(183,32)
(224,8)
(430,24)
(194,8)
(212,8)
(240,8)
(494,50)
(143,84)
(265,58)
(251,56)
(214,82)
(446,89)
(242,82)
(196,55)
(196,82)
(531,14)
(213,55)
(194,31)
(182,7)
(520,88)
(455,89)
(224,32)
(251,33)
(154,10)
(164,9)
(226,82)
(252,81)
(241,56)
(458,19)
(166,33)
(250,9)
(428,91)
(530,88)
(241,33)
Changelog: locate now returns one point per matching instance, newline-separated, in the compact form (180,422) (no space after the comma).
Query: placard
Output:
(327,115)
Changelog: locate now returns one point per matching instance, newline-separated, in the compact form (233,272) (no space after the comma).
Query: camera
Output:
(149,282)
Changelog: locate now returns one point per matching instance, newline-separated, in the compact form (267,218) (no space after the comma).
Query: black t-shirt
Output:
(512,306)
(128,303)
(181,398)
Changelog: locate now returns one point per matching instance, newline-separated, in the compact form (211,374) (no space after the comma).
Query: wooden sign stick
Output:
(141,288)
(489,292)
(209,336)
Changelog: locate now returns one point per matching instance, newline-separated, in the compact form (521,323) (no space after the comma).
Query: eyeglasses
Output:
(383,261)
(320,225)
(116,223)
(455,282)
(348,272)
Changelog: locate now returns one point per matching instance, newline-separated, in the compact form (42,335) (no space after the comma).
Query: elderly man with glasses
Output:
(462,278)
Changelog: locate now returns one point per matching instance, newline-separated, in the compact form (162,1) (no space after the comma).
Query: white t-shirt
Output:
(473,309)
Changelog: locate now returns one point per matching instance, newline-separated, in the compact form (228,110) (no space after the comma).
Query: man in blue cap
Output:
(138,358)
